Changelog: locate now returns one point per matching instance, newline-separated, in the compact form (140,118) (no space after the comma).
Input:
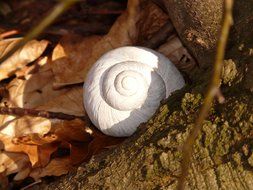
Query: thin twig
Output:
(58,10)
(39,113)
(8,33)
(211,93)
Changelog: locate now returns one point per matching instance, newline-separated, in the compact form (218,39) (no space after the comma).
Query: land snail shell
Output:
(125,86)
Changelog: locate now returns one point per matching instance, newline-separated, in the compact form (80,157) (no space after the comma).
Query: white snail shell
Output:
(125,86)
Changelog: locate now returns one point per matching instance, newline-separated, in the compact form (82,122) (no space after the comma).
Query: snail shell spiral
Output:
(125,86)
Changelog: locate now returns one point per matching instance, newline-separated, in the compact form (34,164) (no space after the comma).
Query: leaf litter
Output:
(37,147)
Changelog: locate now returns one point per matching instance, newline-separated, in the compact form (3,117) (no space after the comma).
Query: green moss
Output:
(209,131)
(163,112)
(191,102)
(237,158)
(164,159)
(221,131)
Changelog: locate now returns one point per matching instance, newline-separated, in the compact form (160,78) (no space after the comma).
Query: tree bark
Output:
(198,24)
(223,153)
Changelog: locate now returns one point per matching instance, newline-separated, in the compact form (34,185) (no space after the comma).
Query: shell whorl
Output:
(125,86)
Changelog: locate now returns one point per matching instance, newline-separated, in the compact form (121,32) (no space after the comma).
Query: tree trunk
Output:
(223,153)
(198,24)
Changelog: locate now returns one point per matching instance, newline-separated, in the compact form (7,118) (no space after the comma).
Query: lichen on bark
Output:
(151,158)
(223,154)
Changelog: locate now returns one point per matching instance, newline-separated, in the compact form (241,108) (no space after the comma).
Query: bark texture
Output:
(198,24)
(223,154)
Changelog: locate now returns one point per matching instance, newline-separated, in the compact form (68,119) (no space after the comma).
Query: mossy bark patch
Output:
(222,159)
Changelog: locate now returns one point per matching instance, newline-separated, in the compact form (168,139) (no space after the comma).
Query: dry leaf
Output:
(23,173)
(16,127)
(30,150)
(26,70)
(79,152)
(70,56)
(73,56)
(35,90)
(44,152)
(70,102)
(12,162)
(31,51)
(56,167)
(76,151)
(71,61)
(39,149)
(177,53)
(37,139)
(46,145)
(39,155)
(26,125)
(74,130)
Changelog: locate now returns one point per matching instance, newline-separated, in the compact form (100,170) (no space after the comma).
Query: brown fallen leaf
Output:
(73,56)
(70,66)
(36,91)
(69,57)
(46,145)
(23,173)
(70,102)
(33,91)
(44,153)
(177,53)
(30,150)
(76,151)
(16,127)
(79,152)
(39,149)
(31,69)
(37,139)
(56,167)
(31,51)
(74,130)
(39,155)
(12,162)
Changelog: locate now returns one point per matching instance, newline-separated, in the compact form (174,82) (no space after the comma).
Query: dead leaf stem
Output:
(211,93)
(39,113)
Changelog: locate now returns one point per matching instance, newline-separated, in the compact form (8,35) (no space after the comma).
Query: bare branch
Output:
(39,113)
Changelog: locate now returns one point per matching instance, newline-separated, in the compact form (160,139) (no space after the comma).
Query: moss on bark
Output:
(151,158)
(223,153)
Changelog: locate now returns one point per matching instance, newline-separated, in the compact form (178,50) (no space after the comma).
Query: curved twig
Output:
(211,93)
(39,113)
